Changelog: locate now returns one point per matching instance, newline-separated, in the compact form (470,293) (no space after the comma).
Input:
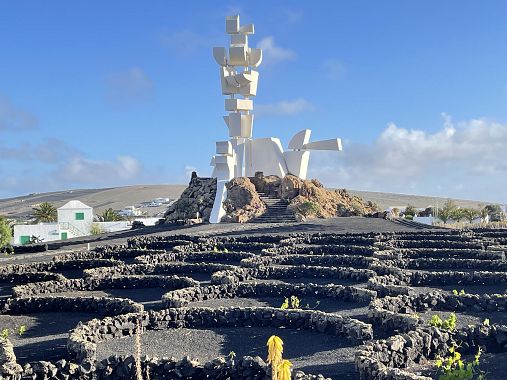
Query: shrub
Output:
(445,324)
(96,229)
(5,233)
(308,208)
(410,211)
(454,368)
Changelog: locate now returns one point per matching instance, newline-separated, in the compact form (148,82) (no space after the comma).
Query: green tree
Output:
(45,213)
(494,212)
(410,210)
(110,215)
(458,214)
(447,211)
(5,233)
(470,214)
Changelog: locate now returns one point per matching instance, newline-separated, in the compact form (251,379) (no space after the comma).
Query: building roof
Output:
(72,205)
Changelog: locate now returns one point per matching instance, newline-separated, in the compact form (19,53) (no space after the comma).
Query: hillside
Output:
(120,197)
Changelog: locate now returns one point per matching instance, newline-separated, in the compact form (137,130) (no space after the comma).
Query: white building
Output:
(130,211)
(74,219)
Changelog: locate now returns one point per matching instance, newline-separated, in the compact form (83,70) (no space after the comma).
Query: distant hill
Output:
(120,197)
(100,199)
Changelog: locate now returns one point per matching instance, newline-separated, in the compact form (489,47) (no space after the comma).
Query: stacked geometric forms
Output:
(243,155)
(238,78)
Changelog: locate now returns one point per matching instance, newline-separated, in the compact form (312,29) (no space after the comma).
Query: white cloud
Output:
(284,108)
(129,86)
(293,16)
(188,170)
(86,171)
(185,42)
(13,118)
(273,54)
(334,69)
(466,159)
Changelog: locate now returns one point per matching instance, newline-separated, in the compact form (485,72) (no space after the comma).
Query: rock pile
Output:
(309,199)
(243,202)
(195,202)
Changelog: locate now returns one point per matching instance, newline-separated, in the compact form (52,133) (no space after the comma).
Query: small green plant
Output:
(4,334)
(21,330)
(454,368)
(309,208)
(294,303)
(445,324)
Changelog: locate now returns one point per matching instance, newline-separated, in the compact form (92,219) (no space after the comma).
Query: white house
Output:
(74,220)
(130,211)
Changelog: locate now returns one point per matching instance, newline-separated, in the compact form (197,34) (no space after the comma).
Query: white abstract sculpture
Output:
(243,155)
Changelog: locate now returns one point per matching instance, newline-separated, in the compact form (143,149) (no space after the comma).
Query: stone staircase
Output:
(276,212)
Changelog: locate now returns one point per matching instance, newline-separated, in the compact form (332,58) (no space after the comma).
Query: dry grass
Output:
(468,226)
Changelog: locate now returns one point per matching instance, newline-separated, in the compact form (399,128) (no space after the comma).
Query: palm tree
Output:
(110,215)
(45,213)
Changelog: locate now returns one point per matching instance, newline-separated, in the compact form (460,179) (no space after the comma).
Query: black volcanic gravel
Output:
(309,351)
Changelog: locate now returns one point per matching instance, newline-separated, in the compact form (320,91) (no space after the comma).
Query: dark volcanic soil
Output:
(46,334)
(309,351)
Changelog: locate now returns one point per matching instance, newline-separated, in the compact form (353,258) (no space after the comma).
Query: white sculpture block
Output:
(300,139)
(247,29)
(250,88)
(240,125)
(238,105)
(237,56)
(227,87)
(220,55)
(333,144)
(218,211)
(297,162)
(239,40)
(254,57)
(224,147)
(232,24)
(267,157)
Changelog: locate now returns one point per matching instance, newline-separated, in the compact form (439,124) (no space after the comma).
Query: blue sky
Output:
(97,94)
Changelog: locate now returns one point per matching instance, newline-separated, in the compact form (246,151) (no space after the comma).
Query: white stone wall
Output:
(47,232)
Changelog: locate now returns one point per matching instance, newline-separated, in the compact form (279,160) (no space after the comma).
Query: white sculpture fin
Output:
(333,144)
(300,139)
(220,55)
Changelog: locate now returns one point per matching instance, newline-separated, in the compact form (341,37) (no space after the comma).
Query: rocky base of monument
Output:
(307,199)
(196,201)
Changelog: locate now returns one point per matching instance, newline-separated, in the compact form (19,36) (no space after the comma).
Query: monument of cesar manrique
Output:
(233,193)
(242,155)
